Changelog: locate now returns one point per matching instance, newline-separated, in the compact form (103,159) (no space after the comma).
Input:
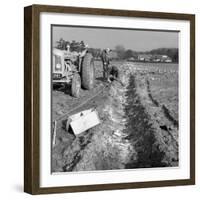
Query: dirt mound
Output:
(106,149)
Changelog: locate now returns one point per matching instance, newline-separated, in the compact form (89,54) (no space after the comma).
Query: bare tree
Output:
(120,51)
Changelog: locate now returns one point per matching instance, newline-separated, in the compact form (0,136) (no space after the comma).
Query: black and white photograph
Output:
(114,98)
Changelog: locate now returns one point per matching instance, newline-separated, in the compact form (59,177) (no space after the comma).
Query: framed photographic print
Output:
(109,99)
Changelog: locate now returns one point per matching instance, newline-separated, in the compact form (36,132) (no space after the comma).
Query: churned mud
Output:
(137,130)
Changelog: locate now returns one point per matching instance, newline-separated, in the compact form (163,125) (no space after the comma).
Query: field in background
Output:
(162,80)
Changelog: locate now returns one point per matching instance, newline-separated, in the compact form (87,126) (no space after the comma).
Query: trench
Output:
(146,135)
(141,133)
(150,95)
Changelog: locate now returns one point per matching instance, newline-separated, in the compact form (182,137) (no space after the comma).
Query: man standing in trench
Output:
(106,61)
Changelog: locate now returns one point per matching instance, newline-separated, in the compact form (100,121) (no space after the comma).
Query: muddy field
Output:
(139,121)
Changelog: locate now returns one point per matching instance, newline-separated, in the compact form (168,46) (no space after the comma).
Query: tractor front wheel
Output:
(76,85)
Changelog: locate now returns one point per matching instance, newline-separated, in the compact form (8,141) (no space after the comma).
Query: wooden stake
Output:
(54,133)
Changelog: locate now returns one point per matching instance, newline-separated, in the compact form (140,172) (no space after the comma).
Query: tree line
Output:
(121,52)
(129,53)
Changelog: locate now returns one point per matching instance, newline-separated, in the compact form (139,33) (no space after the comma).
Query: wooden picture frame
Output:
(32,98)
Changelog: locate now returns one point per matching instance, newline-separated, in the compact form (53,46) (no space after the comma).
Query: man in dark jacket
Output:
(106,61)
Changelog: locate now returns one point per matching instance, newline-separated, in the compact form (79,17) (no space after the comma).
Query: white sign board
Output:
(85,121)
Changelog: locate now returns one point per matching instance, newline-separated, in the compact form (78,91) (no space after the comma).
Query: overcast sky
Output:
(138,40)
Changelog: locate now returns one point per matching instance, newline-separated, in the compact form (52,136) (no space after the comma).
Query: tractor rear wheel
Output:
(76,85)
(87,72)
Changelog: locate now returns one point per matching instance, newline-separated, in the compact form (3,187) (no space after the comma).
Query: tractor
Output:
(73,67)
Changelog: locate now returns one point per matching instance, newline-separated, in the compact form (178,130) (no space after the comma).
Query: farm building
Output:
(154,58)
(161,58)
(144,57)
(131,59)
(168,60)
